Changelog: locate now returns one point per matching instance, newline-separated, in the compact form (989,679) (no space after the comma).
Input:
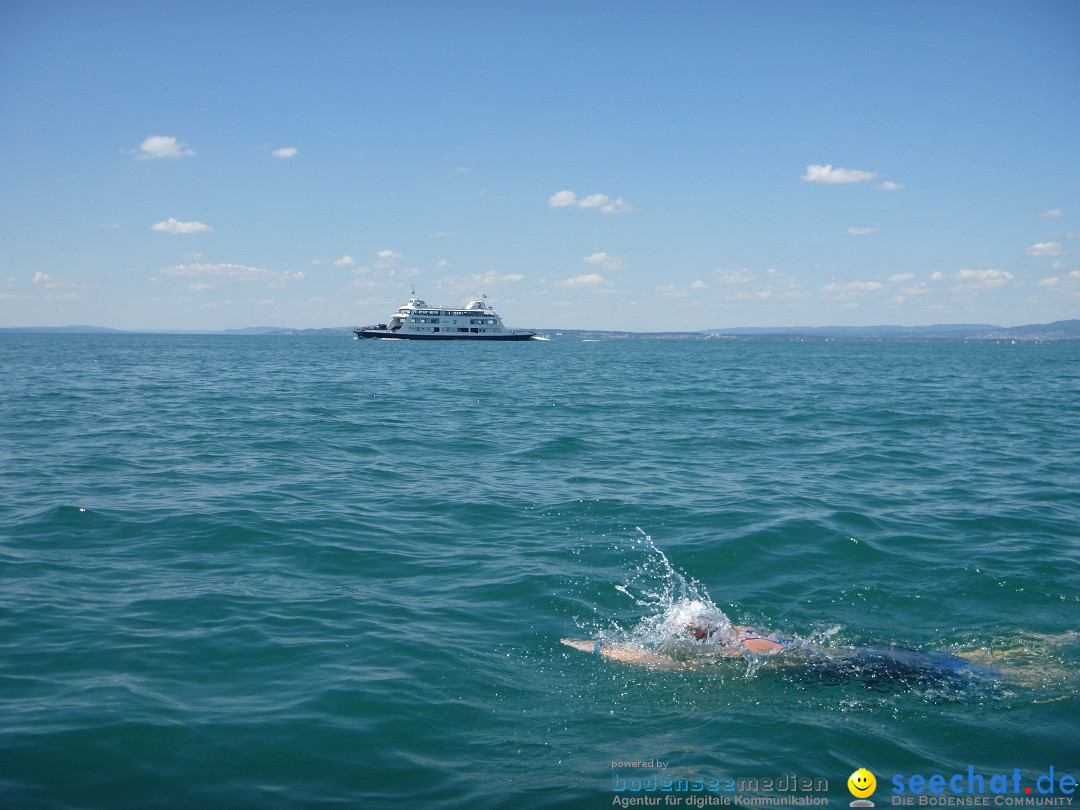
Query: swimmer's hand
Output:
(621,653)
(581,644)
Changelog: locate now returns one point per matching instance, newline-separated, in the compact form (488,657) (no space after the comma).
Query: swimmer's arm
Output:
(622,653)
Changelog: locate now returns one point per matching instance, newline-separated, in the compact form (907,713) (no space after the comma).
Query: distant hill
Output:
(329,330)
(1059,330)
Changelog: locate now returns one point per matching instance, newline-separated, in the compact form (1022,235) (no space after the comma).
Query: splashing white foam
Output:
(676,604)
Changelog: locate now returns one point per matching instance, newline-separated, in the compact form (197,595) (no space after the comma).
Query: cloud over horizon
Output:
(971,278)
(172,225)
(606,262)
(827,174)
(162,146)
(227,270)
(586,280)
(602,202)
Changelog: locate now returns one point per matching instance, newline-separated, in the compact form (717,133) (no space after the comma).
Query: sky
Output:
(642,166)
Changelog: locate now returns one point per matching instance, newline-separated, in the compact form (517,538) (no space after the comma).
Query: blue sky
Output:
(616,165)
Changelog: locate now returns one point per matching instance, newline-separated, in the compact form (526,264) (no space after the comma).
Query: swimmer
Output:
(873,664)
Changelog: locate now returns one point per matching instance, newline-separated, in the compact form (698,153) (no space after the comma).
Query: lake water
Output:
(281,572)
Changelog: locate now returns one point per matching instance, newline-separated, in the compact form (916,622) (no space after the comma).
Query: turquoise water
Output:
(312,572)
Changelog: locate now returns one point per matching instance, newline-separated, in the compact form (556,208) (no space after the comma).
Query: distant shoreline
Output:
(1058,331)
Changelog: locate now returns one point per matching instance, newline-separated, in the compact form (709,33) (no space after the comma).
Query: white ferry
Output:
(417,320)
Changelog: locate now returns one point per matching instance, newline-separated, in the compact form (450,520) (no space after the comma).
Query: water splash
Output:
(674,603)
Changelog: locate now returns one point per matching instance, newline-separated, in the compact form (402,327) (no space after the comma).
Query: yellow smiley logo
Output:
(861,783)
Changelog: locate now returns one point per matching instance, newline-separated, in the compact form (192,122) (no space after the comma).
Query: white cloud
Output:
(606,262)
(617,206)
(344,261)
(983,278)
(442,235)
(852,287)
(588,280)
(230,272)
(1049,282)
(861,231)
(1053,213)
(743,276)
(938,276)
(672,291)
(920,289)
(699,285)
(889,185)
(901,277)
(162,146)
(386,259)
(753,295)
(240,271)
(562,199)
(827,174)
(286,152)
(601,202)
(45,280)
(779,286)
(287,276)
(1044,249)
(469,286)
(594,201)
(172,225)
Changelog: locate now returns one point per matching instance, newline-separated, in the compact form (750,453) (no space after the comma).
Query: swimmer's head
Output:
(707,632)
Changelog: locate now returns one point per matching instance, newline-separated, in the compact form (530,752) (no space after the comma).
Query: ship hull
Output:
(386,334)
